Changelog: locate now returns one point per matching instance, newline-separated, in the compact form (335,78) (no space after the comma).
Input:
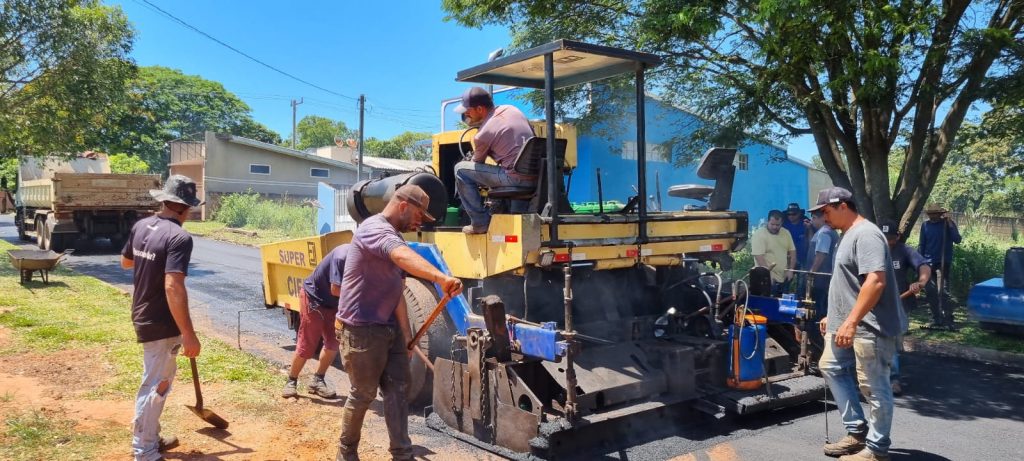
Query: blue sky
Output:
(401,54)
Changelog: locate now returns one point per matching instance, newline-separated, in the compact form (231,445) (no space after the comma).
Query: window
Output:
(742,162)
(655,152)
(319,173)
(256,168)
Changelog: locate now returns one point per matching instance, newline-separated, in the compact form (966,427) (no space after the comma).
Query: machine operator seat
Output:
(527,163)
(717,165)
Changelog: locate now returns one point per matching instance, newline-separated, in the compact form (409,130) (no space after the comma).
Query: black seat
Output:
(716,164)
(528,163)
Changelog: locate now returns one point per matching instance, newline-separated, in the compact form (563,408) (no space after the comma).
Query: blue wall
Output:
(767,184)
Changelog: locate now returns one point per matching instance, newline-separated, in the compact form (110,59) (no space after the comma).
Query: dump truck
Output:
(61,199)
(587,329)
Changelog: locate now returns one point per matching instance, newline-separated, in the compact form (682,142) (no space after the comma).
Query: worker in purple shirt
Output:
(503,130)
(374,323)
(318,306)
(938,234)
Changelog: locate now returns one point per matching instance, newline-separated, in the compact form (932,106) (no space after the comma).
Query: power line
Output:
(236,50)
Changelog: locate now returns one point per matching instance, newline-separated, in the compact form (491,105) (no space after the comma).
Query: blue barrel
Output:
(752,344)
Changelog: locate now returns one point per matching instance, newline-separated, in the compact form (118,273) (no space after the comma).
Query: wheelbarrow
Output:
(30,261)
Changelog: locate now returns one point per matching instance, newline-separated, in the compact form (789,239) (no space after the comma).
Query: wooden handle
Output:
(195,382)
(430,320)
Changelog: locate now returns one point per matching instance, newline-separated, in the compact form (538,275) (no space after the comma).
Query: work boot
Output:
(848,445)
(290,388)
(897,389)
(167,442)
(865,455)
(347,454)
(471,229)
(320,388)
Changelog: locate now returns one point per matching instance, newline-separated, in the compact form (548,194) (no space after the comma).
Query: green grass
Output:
(36,435)
(77,312)
(219,231)
(969,334)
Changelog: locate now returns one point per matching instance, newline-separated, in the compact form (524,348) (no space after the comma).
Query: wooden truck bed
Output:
(91,191)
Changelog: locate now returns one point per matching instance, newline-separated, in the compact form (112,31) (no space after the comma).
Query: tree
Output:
(859,77)
(407,145)
(63,65)
(165,104)
(127,164)
(316,131)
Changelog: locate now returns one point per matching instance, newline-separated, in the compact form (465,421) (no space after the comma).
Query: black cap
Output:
(178,189)
(794,208)
(474,97)
(830,196)
(889,228)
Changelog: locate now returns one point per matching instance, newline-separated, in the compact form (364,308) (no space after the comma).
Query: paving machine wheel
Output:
(420,299)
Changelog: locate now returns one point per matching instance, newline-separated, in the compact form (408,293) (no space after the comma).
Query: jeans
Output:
(470,176)
(375,356)
(158,366)
(865,365)
(932,291)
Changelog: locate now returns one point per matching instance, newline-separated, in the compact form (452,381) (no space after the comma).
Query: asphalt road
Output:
(953,409)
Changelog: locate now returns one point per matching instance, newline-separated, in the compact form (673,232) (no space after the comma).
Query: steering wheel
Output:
(462,137)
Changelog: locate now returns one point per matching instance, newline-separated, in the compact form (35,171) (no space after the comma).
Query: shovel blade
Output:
(209,416)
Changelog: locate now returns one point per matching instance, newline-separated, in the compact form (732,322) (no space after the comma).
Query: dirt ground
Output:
(58,386)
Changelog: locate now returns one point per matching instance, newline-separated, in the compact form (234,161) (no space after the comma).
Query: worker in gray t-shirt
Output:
(864,319)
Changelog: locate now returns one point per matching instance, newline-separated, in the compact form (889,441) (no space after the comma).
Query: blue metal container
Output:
(991,302)
(751,354)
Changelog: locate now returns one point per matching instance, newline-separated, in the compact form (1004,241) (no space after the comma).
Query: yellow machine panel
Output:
(286,264)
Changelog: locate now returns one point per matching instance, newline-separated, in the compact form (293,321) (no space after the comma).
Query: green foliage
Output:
(404,146)
(978,258)
(979,173)
(9,171)
(165,104)
(864,78)
(127,164)
(64,66)
(252,211)
(316,131)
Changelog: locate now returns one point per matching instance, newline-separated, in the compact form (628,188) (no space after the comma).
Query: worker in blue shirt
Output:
(798,225)
(938,234)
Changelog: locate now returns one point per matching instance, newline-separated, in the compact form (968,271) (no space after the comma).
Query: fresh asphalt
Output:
(952,410)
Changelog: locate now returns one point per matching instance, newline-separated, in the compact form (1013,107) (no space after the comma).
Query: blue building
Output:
(766,178)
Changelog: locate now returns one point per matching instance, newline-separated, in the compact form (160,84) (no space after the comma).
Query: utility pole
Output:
(294,105)
(362,109)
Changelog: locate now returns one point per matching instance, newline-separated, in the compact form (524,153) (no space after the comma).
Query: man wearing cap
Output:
(374,323)
(938,234)
(772,247)
(864,319)
(158,250)
(904,258)
(318,307)
(503,130)
(820,254)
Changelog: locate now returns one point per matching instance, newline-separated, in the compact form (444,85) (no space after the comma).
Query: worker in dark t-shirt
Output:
(158,250)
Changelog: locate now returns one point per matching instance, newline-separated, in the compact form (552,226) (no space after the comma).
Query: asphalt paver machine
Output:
(579,330)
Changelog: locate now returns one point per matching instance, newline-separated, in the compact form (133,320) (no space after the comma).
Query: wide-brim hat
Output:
(935,208)
(178,189)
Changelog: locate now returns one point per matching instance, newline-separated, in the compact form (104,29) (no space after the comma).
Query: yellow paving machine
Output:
(580,329)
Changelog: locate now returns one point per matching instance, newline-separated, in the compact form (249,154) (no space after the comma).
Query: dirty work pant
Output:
(375,356)
(470,176)
(865,365)
(158,365)
(932,292)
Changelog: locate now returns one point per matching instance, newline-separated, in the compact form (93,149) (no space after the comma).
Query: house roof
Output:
(392,164)
(285,151)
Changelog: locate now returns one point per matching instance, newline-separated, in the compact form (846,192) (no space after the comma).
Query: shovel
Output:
(206,415)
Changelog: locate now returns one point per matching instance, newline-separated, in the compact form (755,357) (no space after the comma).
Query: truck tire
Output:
(41,233)
(19,223)
(421,299)
(57,242)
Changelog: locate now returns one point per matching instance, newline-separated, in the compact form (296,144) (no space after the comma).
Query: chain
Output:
(455,409)
(484,390)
